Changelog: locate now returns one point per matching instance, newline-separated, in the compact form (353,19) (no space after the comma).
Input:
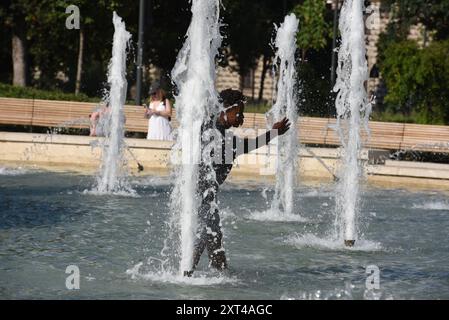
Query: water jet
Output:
(353,109)
(286,106)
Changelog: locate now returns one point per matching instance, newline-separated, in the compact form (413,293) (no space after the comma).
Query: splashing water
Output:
(270,215)
(432,205)
(111,176)
(286,106)
(5,171)
(194,76)
(353,109)
(166,276)
(309,240)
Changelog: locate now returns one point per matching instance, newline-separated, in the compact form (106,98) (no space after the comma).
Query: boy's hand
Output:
(282,126)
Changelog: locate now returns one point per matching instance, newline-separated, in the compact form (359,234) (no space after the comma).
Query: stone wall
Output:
(376,23)
(229,78)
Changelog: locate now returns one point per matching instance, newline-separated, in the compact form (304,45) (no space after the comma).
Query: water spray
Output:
(194,76)
(353,109)
(286,106)
(112,159)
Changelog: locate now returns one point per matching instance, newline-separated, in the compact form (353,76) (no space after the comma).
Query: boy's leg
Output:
(214,246)
(201,236)
(198,247)
(209,229)
(209,232)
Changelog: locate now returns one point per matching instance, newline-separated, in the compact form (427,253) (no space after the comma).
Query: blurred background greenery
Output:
(40,57)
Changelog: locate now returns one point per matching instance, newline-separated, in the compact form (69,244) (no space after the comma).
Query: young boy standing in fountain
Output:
(209,233)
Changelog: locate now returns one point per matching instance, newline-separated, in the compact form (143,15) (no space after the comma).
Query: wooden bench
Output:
(431,138)
(317,131)
(49,113)
(385,135)
(16,111)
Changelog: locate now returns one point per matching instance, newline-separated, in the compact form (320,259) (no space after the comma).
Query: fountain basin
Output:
(48,222)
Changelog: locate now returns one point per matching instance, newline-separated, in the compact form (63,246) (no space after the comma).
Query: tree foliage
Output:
(314,43)
(166,25)
(434,15)
(248,27)
(417,80)
(53,49)
(315,30)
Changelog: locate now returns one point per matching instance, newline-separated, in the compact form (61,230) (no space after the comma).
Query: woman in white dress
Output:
(159,114)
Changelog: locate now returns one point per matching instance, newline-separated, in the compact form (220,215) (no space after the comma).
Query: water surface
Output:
(48,221)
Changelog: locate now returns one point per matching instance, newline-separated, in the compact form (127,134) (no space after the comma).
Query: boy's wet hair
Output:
(231,97)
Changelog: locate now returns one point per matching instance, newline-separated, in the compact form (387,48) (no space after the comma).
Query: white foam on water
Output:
(276,216)
(311,193)
(316,193)
(312,241)
(153,181)
(341,294)
(336,294)
(6,171)
(226,214)
(432,205)
(122,193)
(249,256)
(198,279)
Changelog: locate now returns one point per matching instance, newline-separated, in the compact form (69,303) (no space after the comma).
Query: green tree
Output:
(248,28)
(314,30)
(244,36)
(13,16)
(415,77)
(417,80)
(434,15)
(165,29)
(314,43)
(50,48)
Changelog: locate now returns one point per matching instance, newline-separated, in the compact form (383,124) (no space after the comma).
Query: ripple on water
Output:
(5,171)
(276,216)
(431,205)
(337,293)
(312,241)
(122,193)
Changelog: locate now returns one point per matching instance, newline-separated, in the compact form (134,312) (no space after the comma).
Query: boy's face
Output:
(234,116)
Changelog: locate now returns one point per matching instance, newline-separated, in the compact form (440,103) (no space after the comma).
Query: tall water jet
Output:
(197,100)
(112,159)
(353,109)
(286,106)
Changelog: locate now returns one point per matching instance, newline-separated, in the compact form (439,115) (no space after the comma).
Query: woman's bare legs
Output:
(93,122)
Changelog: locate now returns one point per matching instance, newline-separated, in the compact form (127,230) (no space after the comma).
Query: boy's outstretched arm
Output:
(279,128)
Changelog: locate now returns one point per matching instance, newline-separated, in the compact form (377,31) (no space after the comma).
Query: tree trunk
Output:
(262,77)
(19,55)
(79,68)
